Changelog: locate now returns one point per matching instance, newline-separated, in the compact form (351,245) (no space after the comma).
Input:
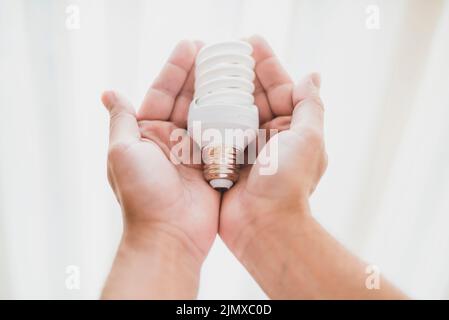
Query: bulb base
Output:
(220,167)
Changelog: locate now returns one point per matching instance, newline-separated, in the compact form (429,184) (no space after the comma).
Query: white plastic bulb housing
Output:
(223,104)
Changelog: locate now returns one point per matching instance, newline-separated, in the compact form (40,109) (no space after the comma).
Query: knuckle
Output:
(324,162)
(312,135)
(117,151)
(145,127)
(117,114)
(110,176)
(314,100)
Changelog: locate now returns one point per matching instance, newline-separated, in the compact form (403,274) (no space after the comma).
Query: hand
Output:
(171,213)
(172,203)
(265,219)
(257,201)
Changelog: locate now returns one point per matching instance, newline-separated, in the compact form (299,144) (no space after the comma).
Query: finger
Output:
(309,110)
(273,77)
(157,131)
(261,101)
(160,98)
(273,127)
(279,123)
(310,85)
(185,96)
(123,124)
(171,139)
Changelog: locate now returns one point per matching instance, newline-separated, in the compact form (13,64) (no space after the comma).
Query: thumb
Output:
(123,124)
(308,112)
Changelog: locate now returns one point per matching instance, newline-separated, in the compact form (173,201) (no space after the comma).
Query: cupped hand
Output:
(296,111)
(156,195)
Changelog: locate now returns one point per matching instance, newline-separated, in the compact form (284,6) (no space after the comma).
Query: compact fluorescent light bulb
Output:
(224,102)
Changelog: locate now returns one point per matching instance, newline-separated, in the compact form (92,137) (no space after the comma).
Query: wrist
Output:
(267,222)
(164,239)
(271,254)
(153,263)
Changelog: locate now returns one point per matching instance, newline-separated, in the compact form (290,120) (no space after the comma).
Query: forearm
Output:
(295,258)
(157,266)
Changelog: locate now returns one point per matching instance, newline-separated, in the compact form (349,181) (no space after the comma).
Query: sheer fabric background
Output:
(385,195)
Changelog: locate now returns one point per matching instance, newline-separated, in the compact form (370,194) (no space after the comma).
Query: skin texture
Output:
(171,215)
(297,112)
(158,199)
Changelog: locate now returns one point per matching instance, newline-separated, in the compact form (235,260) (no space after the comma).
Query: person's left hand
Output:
(296,112)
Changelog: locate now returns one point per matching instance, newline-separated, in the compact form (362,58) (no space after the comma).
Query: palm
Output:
(177,195)
(193,205)
(254,190)
(149,185)
(301,159)
(273,97)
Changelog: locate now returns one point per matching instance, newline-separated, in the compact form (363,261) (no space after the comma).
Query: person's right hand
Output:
(157,196)
(170,213)
(258,201)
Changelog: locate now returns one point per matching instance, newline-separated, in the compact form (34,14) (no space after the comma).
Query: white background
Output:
(386,192)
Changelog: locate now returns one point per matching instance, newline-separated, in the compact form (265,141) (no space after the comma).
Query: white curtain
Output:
(386,90)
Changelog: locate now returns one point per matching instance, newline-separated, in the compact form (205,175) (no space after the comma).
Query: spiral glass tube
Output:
(223,101)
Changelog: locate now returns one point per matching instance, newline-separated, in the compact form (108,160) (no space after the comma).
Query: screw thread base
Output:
(220,166)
